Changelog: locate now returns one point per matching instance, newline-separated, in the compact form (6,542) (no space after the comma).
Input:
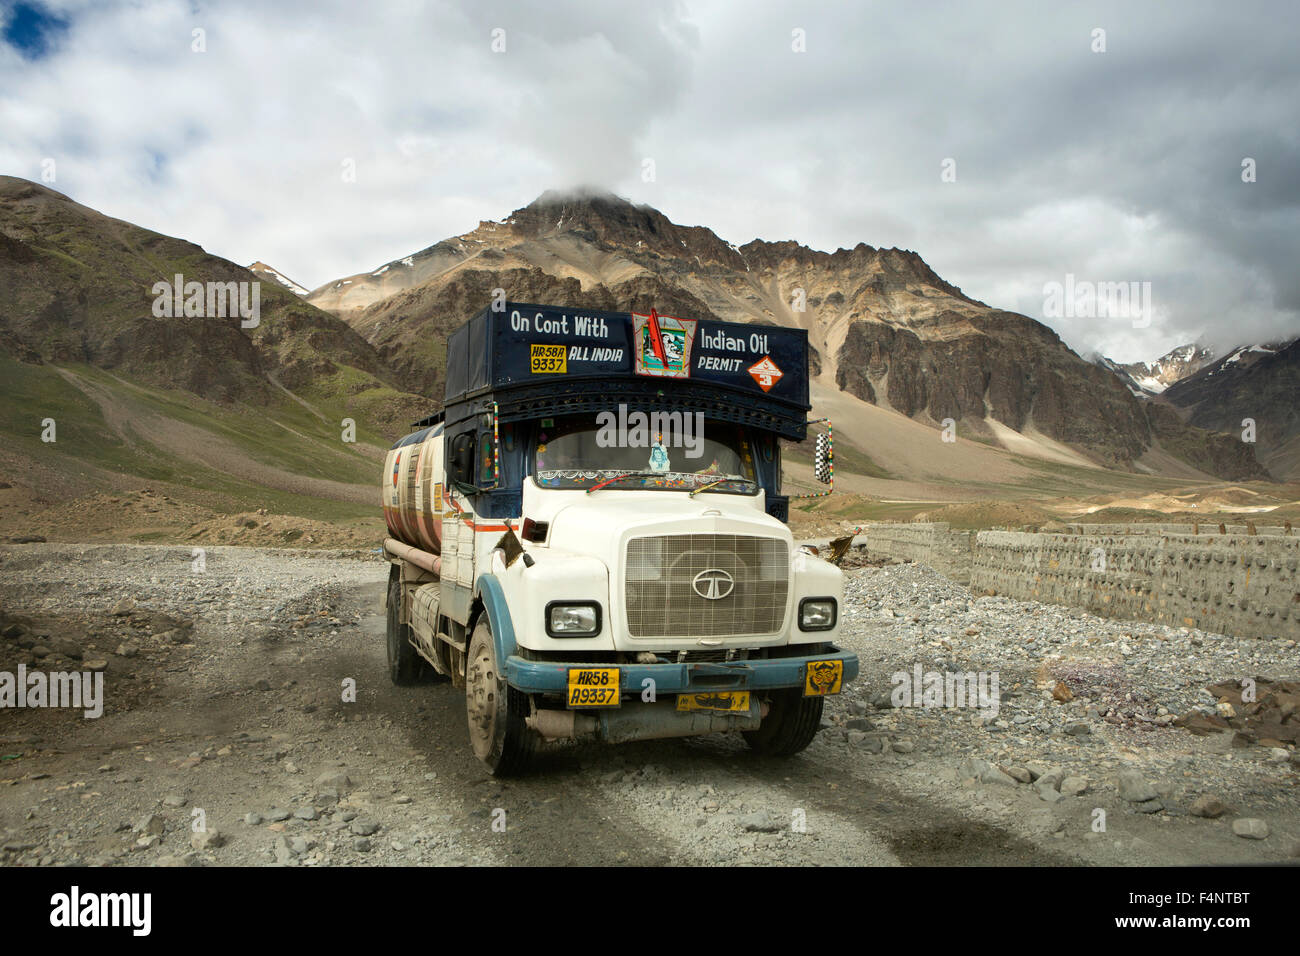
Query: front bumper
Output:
(551,677)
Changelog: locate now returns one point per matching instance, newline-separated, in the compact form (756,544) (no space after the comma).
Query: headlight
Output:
(573,619)
(817,613)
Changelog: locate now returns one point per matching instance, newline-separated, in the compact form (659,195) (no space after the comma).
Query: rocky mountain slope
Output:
(214,415)
(1258,382)
(884,327)
(1145,379)
(1174,365)
(78,287)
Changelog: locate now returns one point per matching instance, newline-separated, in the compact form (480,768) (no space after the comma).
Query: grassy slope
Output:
(29,393)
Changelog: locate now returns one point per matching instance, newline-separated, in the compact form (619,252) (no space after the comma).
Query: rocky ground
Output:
(225,703)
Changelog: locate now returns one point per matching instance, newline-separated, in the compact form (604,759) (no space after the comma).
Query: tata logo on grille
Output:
(713,584)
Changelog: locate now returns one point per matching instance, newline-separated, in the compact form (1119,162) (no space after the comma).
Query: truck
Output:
(590,539)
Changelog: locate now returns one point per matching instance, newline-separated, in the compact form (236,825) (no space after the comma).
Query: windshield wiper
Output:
(711,484)
(719,481)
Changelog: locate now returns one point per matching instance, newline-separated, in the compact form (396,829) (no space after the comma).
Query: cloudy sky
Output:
(1122,164)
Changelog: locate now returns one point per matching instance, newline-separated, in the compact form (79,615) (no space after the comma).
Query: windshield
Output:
(679,452)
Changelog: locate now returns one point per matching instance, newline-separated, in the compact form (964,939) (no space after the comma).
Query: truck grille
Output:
(662,599)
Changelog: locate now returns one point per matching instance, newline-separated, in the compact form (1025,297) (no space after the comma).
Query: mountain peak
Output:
(598,212)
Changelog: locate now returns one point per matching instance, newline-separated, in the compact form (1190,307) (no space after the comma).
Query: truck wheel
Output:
(496,710)
(404,664)
(789,726)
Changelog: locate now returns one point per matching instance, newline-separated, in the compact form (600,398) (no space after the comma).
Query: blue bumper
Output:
(551,677)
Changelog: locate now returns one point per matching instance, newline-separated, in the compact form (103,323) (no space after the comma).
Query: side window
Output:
(460,467)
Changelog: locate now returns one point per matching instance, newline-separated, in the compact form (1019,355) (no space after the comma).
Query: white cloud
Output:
(1115,166)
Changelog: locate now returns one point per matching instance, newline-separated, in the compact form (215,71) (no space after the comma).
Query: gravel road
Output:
(225,702)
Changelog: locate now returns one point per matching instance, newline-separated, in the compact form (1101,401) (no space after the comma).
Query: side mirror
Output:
(824,460)
(461,465)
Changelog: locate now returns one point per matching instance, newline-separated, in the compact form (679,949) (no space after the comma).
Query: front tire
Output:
(789,726)
(496,711)
(404,664)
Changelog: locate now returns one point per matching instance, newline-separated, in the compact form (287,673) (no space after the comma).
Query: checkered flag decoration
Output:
(822,459)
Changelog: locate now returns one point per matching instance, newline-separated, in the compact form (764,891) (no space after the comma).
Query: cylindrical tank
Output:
(410,490)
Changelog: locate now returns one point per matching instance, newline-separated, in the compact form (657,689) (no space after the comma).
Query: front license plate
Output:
(822,678)
(729,702)
(592,687)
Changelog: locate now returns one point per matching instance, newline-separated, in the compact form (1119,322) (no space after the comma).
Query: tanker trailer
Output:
(590,540)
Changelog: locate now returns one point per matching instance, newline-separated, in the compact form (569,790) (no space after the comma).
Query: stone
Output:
(759,822)
(335,780)
(208,839)
(66,647)
(95,664)
(903,746)
(282,852)
(1046,791)
(1047,775)
(1078,728)
(860,723)
(252,819)
(361,845)
(276,814)
(1250,828)
(1019,774)
(1149,806)
(1072,786)
(173,800)
(983,771)
(123,607)
(1208,807)
(306,813)
(151,825)
(1134,787)
(363,827)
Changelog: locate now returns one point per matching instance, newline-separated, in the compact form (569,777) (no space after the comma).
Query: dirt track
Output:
(243,714)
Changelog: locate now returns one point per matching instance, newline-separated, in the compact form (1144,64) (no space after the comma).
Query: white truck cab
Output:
(590,538)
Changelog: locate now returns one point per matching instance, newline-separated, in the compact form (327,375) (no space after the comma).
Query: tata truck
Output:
(590,538)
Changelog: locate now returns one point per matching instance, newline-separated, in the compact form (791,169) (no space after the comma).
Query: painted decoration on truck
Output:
(662,345)
(765,373)
(532,344)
